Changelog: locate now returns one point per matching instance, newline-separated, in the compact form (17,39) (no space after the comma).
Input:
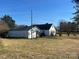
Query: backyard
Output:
(41,48)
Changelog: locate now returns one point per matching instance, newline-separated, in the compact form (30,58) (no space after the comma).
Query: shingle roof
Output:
(20,27)
(43,26)
(40,26)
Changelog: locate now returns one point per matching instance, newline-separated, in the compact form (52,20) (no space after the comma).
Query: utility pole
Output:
(31,22)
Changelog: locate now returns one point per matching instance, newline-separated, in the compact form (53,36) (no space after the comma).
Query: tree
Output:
(76,1)
(9,21)
(76,17)
(62,28)
(65,27)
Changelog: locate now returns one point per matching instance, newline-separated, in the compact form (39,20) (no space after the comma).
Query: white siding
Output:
(33,33)
(18,34)
(52,30)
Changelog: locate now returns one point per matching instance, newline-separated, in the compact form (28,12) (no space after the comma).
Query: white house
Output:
(33,31)
(46,29)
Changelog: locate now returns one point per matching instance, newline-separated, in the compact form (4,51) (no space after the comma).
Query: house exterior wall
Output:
(52,31)
(32,33)
(18,34)
(46,32)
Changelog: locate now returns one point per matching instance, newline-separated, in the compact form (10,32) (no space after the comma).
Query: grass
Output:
(41,48)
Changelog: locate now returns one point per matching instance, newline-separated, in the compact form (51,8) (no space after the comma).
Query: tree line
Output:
(71,27)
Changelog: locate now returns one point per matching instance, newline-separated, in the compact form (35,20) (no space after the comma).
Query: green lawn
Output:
(41,48)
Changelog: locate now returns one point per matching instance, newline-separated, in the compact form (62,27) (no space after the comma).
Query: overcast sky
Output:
(44,11)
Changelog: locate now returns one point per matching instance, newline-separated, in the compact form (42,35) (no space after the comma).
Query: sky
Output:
(44,11)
